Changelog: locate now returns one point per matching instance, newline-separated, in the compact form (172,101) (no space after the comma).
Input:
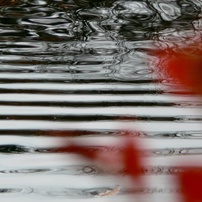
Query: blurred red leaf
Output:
(190,180)
(127,158)
(81,150)
(185,67)
(132,159)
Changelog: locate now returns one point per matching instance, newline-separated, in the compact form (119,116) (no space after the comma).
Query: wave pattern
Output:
(83,69)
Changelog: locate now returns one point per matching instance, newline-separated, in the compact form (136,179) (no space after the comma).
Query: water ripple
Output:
(67,170)
(73,193)
(84,69)
(15,190)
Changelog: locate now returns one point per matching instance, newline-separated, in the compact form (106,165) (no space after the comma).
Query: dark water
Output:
(73,70)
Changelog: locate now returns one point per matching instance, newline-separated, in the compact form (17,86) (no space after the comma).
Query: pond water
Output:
(84,70)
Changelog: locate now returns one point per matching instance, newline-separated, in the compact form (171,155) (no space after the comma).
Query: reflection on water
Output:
(74,69)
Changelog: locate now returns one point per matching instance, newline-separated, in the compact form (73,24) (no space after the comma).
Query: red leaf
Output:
(132,158)
(185,67)
(81,150)
(126,159)
(190,180)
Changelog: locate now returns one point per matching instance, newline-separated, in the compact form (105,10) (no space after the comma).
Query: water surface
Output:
(74,69)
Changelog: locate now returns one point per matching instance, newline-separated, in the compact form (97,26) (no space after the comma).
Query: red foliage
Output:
(185,67)
(127,159)
(132,159)
(81,150)
(190,180)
